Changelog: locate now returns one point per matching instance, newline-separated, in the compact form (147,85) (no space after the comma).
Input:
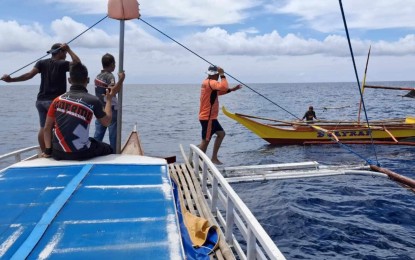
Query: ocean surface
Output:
(342,217)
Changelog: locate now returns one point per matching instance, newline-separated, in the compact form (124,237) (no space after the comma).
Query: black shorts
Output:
(215,127)
(97,148)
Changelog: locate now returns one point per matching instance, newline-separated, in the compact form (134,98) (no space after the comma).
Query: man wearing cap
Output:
(309,114)
(53,81)
(209,109)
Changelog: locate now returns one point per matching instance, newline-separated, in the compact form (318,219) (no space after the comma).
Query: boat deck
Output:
(88,211)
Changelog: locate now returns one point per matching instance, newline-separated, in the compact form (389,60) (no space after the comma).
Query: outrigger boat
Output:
(128,206)
(279,132)
(125,205)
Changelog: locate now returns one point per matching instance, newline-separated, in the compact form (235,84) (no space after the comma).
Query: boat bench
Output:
(195,202)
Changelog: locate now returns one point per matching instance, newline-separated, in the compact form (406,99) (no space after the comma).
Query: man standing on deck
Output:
(209,109)
(104,80)
(69,117)
(53,81)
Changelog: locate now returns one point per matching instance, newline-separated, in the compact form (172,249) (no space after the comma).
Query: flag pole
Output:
(122,10)
(120,93)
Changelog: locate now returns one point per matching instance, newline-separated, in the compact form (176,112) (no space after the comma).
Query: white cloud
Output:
(325,16)
(21,37)
(271,56)
(183,12)
(66,29)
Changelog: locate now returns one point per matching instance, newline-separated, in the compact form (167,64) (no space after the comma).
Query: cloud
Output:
(66,29)
(183,12)
(154,58)
(325,16)
(217,41)
(21,37)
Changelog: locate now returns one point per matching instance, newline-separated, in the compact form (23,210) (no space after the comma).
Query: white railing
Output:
(231,212)
(19,153)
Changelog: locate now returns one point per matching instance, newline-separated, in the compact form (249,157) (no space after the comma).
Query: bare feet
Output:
(216,161)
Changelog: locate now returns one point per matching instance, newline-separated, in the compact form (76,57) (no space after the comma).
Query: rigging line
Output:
(357,78)
(66,43)
(341,144)
(214,65)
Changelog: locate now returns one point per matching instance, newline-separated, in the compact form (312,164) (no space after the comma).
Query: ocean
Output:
(341,217)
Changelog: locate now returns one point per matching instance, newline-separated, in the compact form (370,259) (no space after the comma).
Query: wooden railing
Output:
(232,213)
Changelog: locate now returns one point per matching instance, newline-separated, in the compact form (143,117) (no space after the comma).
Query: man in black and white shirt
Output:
(70,116)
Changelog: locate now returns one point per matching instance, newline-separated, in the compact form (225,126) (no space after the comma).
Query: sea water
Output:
(341,217)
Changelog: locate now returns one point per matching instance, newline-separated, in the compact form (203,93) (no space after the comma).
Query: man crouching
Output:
(69,117)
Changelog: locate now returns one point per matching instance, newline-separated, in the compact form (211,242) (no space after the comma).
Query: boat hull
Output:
(302,133)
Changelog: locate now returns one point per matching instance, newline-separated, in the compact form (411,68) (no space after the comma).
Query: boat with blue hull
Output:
(125,206)
(117,206)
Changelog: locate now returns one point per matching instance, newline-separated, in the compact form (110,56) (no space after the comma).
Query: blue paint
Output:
(49,215)
(114,211)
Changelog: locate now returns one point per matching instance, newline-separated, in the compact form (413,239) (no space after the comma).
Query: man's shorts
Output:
(97,148)
(42,108)
(214,127)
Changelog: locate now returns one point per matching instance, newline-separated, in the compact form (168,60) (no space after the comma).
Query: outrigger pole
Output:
(404,181)
(122,10)
(393,88)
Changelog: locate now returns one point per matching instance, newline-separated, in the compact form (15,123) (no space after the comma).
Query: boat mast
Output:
(122,10)
(120,93)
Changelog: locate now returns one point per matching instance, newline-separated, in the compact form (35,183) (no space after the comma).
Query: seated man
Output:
(69,117)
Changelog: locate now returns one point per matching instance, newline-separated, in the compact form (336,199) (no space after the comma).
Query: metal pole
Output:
(120,69)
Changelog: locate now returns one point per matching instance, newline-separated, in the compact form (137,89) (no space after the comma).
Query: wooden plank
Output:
(184,188)
(223,251)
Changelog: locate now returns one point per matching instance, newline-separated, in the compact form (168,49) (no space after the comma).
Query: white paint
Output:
(47,251)
(54,188)
(108,159)
(174,237)
(120,220)
(11,239)
(122,187)
(112,247)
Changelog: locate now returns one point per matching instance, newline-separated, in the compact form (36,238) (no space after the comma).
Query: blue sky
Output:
(255,41)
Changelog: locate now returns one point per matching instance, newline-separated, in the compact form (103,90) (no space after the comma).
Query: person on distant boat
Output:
(103,81)
(309,115)
(52,83)
(209,109)
(69,117)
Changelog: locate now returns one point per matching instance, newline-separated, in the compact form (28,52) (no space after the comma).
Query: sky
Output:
(255,41)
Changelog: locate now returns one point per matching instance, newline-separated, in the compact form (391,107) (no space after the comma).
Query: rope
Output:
(357,78)
(66,43)
(213,65)
(337,141)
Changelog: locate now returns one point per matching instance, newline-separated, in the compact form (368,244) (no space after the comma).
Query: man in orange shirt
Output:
(209,109)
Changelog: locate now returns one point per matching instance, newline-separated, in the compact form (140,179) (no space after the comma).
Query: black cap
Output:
(212,70)
(55,47)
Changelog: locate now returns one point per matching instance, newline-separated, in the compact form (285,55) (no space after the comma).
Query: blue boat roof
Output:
(113,207)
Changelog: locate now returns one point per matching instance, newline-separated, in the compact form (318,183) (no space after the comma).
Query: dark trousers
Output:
(97,148)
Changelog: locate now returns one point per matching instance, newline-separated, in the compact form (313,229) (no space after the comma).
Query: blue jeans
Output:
(112,128)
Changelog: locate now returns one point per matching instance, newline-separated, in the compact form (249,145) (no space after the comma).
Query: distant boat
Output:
(279,132)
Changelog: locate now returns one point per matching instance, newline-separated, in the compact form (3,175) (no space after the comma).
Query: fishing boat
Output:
(125,205)
(279,132)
